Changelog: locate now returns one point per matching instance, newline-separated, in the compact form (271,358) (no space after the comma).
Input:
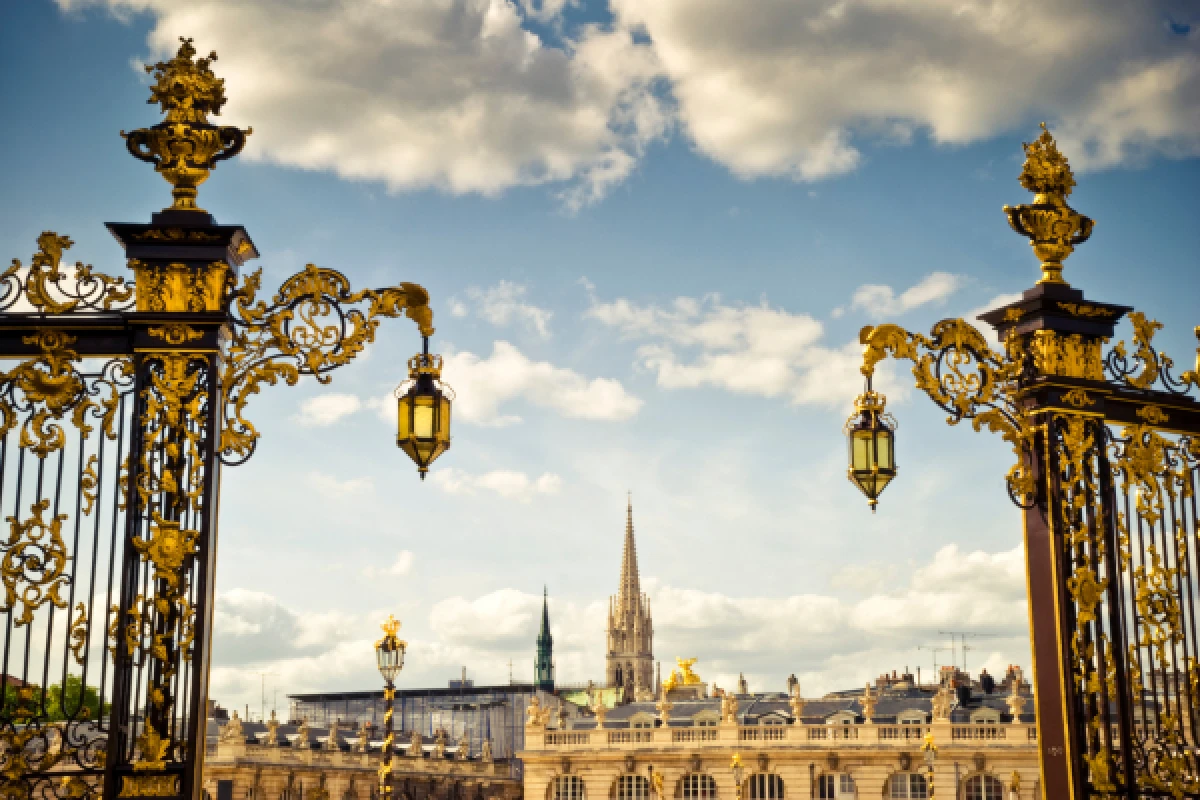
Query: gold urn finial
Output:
(1052,227)
(185,146)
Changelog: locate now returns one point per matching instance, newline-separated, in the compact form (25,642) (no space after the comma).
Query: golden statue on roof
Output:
(185,146)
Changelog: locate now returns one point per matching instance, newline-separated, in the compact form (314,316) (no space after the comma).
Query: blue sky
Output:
(651,238)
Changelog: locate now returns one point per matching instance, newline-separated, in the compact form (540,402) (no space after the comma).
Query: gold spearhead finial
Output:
(1052,227)
(185,146)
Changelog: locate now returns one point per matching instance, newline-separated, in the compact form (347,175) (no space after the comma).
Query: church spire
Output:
(630,592)
(544,661)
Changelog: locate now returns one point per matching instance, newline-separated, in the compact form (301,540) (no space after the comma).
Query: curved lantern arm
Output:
(309,328)
(967,379)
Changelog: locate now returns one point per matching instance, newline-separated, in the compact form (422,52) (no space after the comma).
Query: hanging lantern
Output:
(424,410)
(872,436)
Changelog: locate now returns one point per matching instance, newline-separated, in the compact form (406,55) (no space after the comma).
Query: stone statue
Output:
(363,745)
(792,683)
(600,710)
(233,730)
(272,738)
(796,701)
(941,704)
(485,752)
(303,737)
(729,708)
(416,746)
(536,716)
(869,701)
(439,743)
(664,710)
(464,748)
(334,742)
(562,717)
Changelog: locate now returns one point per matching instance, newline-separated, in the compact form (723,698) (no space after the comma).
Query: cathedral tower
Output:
(630,661)
(543,669)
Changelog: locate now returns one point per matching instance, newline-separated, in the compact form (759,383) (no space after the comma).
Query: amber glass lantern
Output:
(389,651)
(872,437)
(424,411)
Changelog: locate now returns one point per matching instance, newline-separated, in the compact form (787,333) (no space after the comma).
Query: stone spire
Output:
(630,592)
(544,660)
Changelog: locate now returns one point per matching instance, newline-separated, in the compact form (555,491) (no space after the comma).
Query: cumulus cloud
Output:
(401,566)
(794,89)
(331,486)
(881,301)
(760,350)
(506,483)
(483,385)
(424,93)
(326,409)
(505,303)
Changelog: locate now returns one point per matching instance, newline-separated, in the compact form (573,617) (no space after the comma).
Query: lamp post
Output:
(389,655)
(930,750)
(1107,458)
(739,774)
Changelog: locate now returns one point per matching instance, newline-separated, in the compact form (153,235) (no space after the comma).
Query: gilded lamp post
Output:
(123,402)
(1106,470)
(389,656)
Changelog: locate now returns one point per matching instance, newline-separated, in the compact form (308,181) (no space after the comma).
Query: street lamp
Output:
(871,434)
(930,757)
(739,774)
(424,410)
(389,655)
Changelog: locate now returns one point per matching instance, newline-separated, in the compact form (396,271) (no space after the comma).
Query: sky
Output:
(651,230)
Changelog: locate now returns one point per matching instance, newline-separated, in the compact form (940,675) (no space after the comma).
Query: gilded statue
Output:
(686,674)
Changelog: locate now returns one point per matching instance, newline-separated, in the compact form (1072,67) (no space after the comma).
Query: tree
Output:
(74,701)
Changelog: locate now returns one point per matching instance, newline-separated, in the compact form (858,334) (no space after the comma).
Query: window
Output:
(706,723)
(986,717)
(908,786)
(772,720)
(830,787)
(632,787)
(766,786)
(696,786)
(706,719)
(567,787)
(910,717)
(983,787)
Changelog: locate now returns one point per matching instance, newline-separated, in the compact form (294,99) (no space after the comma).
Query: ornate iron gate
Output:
(1107,466)
(125,400)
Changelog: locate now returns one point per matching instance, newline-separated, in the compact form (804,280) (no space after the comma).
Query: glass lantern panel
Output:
(444,419)
(883,449)
(404,430)
(860,450)
(423,418)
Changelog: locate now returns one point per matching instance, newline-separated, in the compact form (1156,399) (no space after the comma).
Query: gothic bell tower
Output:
(543,667)
(630,652)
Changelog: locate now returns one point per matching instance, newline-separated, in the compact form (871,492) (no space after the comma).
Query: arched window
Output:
(766,786)
(632,787)
(566,787)
(696,786)
(908,786)
(983,787)
(833,785)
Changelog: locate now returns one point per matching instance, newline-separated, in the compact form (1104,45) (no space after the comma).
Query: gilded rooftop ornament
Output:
(185,146)
(1052,226)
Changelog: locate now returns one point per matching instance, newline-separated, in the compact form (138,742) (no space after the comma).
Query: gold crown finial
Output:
(1052,227)
(391,626)
(185,146)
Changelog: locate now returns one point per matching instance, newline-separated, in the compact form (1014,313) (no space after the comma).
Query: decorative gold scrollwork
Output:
(1147,366)
(306,330)
(35,560)
(1078,398)
(79,631)
(175,333)
(86,291)
(149,786)
(88,484)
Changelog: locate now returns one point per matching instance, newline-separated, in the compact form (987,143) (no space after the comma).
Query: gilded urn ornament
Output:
(185,146)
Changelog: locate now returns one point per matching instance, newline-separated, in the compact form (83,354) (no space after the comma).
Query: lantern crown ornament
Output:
(423,405)
(185,146)
(389,651)
(871,432)
(1052,227)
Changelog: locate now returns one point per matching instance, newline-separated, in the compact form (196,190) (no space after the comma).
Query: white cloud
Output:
(504,303)
(483,385)
(506,483)
(330,486)
(326,409)
(401,566)
(758,350)
(424,93)
(795,88)
(881,301)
